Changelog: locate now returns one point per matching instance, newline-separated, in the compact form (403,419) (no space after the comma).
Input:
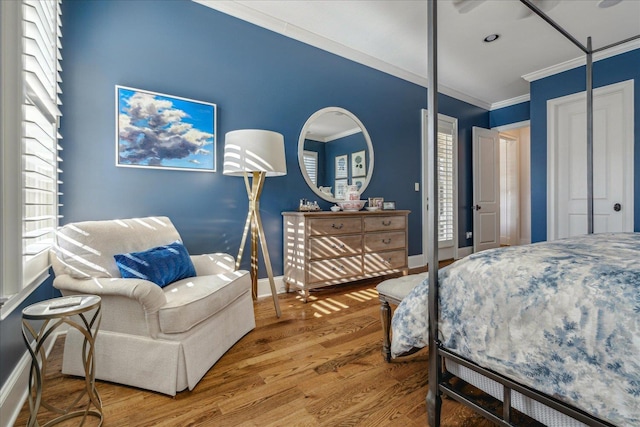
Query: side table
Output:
(53,314)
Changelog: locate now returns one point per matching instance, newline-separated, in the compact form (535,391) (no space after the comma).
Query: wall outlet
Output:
(417,186)
(469,234)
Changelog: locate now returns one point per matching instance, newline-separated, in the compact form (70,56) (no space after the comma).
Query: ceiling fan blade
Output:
(464,6)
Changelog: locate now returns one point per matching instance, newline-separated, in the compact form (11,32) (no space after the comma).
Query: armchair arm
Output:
(149,295)
(217,263)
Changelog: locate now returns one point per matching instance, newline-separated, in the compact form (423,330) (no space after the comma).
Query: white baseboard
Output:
(13,394)
(464,252)
(264,289)
(417,261)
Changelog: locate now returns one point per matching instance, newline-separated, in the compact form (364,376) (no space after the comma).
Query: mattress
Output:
(534,409)
(561,317)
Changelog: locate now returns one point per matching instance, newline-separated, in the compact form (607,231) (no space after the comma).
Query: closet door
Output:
(612,164)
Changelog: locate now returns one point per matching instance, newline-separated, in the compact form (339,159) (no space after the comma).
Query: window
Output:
(446,184)
(447,166)
(310,159)
(30,117)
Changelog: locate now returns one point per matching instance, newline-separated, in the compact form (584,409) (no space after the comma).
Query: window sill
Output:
(15,300)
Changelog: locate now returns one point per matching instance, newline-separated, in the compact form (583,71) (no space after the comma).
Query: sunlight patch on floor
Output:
(329,305)
(364,295)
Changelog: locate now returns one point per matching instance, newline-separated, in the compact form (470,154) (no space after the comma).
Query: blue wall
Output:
(605,72)
(258,79)
(507,115)
(13,347)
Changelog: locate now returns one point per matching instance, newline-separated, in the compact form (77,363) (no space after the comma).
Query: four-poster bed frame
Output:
(438,383)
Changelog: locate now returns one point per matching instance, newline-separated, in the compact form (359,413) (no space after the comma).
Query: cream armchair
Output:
(157,338)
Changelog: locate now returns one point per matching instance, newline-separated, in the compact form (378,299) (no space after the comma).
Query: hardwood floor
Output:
(320,364)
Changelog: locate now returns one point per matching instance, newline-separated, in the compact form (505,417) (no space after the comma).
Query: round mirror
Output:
(334,150)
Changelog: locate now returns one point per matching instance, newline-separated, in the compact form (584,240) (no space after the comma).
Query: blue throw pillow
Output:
(161,265)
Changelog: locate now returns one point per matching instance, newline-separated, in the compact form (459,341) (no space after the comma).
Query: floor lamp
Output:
(255,154)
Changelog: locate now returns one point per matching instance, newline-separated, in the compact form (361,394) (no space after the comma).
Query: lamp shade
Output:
(254,150)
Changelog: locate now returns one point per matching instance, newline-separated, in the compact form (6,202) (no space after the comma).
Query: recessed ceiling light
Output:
(608,3)
(491,38)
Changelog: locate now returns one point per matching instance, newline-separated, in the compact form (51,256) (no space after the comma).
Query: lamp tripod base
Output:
(254,222)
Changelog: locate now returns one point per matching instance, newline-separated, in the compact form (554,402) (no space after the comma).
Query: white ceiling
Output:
(391,35)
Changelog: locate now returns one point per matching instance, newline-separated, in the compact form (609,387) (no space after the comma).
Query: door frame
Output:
(627,89)
(509,153)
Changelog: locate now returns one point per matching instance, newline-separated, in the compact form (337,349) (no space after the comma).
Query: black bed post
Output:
(589,137)
(434,400)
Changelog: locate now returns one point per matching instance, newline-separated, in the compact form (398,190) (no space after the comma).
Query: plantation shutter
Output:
(445,183)
(40,160)
(310,159)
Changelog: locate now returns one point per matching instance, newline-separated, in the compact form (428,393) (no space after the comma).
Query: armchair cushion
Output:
(193,300)
(161,265)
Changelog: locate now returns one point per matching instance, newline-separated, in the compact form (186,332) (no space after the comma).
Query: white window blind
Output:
(33,143)
(41,63)
(446,183)
(310,159)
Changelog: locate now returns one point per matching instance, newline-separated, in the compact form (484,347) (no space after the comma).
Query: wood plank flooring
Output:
(320,364)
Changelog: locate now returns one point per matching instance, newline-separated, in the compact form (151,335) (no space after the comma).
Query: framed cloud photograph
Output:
(159,131)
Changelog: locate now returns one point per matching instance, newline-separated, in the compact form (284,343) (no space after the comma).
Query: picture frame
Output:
(359,182)
(388,206)
(340,188)
(160,131)
(376,202)
(342,166)
(358,164)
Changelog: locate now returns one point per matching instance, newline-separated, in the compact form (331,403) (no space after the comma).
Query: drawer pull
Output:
(337,227)
(386,223)
(334,246)
(386,241)
(338,268)
(388,261)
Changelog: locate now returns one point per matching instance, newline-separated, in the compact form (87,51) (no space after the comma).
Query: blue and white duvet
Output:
(562,317)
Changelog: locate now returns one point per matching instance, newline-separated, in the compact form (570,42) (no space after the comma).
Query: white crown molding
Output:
(260,19)
(463,97)
(578,62)
(509,102)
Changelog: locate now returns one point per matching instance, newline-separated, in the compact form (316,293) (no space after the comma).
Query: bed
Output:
(560,317)
(579,366)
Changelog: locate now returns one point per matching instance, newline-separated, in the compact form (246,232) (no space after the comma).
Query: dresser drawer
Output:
(375,242)
(331,269)
(380,223)
(381,261)
(335,246)
(325,226)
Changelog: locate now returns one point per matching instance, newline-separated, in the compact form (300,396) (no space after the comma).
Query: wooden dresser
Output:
(327,248)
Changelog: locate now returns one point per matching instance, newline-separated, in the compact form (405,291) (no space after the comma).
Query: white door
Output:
(486,189)
(612,162)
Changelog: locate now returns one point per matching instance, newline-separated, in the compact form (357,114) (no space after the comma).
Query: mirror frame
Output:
(302,138)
